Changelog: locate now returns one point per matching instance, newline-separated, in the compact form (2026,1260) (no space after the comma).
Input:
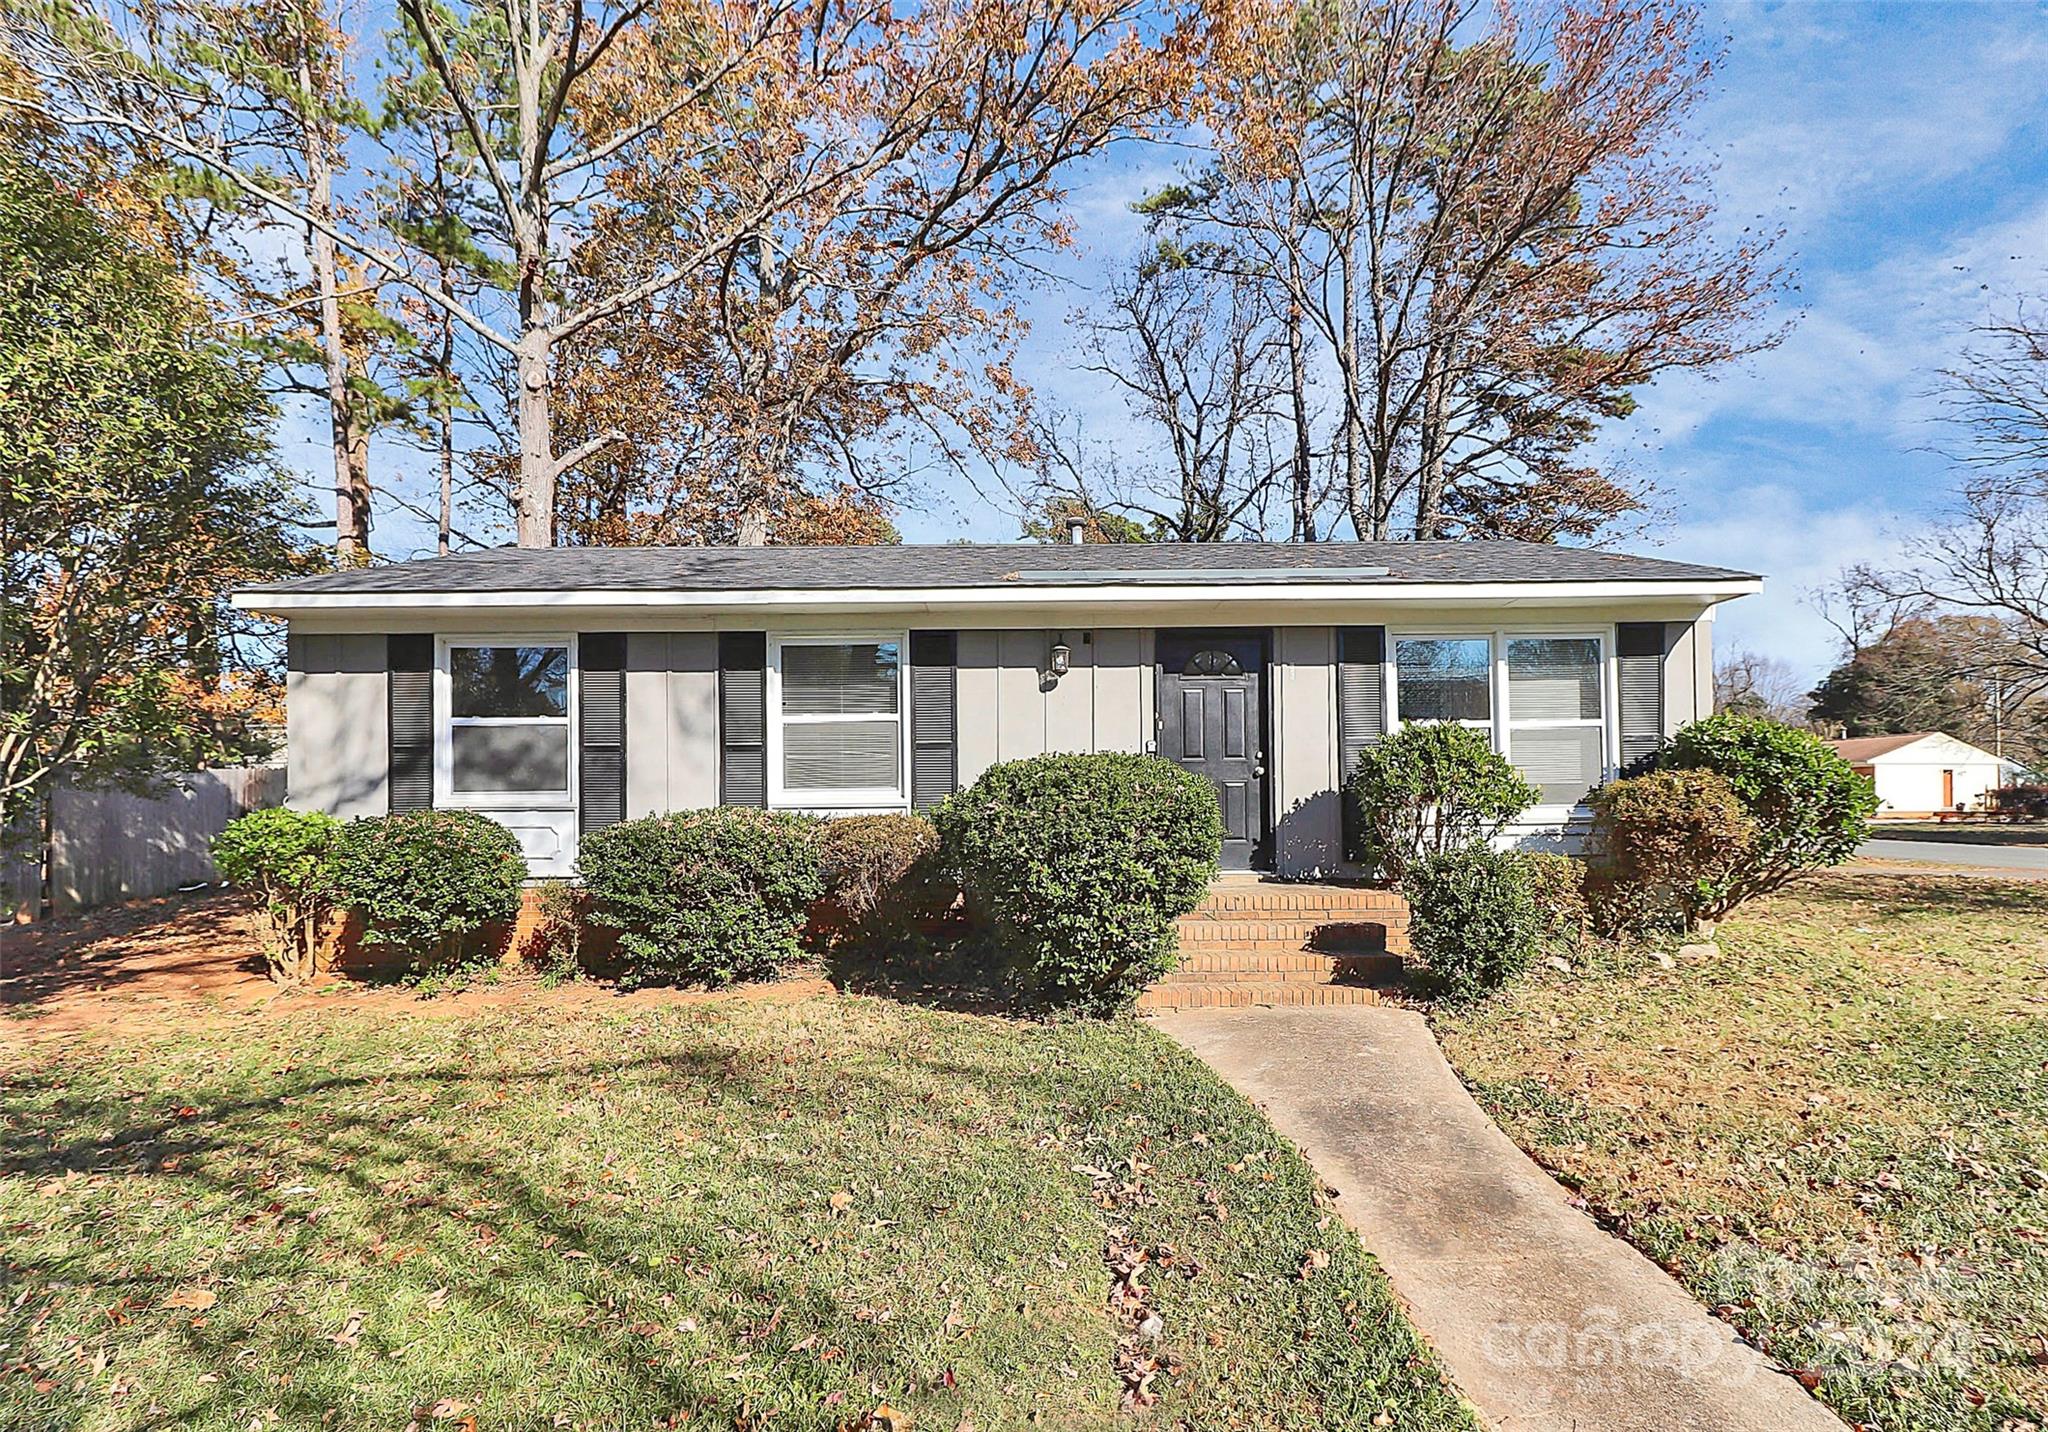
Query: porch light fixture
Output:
(1062,658)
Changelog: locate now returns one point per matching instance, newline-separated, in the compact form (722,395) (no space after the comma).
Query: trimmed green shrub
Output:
(1079,865)
(281,854)
(884,871)
(427,881)
(1473,920)
(707,896)
(1431,787)
(1668,842)
(1808,805)
(1557,883)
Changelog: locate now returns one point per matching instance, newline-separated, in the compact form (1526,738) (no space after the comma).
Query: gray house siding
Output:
(1688,673)
(1307,815)
(336,723)
(1011,705)
(671,721)
(1008,706)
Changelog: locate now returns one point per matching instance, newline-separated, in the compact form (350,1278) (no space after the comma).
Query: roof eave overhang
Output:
(784,601)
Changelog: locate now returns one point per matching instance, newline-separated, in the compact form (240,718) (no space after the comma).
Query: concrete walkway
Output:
(1544,1320)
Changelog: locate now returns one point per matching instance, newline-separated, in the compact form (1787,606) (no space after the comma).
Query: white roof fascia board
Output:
(1038,595)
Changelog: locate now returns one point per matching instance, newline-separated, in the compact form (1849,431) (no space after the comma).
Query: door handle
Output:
(1258,770)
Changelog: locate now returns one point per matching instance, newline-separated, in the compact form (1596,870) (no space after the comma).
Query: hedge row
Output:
(1073,867)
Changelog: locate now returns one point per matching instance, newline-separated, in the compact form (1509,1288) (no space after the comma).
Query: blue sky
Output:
(1904,148)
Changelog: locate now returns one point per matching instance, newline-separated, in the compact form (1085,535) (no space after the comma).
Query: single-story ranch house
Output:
(1922,772)
(563,689)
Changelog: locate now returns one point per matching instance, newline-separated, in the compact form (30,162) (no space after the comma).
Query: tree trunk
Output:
(444,420)
(1302,465)
(350,444)
(1429,496)
(534,502)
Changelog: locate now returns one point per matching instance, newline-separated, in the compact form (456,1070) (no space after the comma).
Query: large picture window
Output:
(508,719)
(837,728)
(1541,698)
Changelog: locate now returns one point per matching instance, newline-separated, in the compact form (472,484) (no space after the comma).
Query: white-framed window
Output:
(507,736)
(1444,678)
(1542,697)
(1555,712)
(836,734)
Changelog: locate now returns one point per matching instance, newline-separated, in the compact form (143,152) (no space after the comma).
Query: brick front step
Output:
(1292,902)
(1336,936)
(1174,994)
(1199,965)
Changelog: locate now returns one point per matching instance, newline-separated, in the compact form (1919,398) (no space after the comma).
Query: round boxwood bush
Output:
(427,881)
(884,872)
(1668,842)
(1473,920)
(1078,865)
(1808,806)
(1430,787)
(706,896)
(281,854)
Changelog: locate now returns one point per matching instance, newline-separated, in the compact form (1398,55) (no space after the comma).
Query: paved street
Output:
(1956,852)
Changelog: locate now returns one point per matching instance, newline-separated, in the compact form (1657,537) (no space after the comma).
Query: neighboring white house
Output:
(1922,771)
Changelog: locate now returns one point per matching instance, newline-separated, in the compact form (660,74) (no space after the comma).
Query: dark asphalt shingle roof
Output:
(510,569)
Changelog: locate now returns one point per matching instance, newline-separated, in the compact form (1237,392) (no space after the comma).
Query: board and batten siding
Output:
(671,721)
(337,723)
(1010,705)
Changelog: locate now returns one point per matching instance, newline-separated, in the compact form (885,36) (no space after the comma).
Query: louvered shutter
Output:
(743,718)
(409,679)
(1361,694)
(601,719)
(1361,710)
(1639,651)
(934,761)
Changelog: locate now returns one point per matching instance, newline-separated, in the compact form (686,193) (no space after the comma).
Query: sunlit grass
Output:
(735,1215)
(1836,1132)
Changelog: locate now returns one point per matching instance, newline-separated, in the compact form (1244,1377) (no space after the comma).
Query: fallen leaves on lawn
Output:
(195,1298)
(1139,1358)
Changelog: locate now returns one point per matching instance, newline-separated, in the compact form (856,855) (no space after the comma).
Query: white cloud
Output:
(1797,546)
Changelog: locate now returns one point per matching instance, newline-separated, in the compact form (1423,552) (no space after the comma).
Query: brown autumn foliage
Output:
(863,307)
(1481,221)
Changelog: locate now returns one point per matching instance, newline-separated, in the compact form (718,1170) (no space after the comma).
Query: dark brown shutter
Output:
(409,677)
(743,718)
(601,717)
(1639,652)
(934,761)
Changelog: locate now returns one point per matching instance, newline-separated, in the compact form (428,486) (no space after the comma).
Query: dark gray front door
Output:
(1212,720)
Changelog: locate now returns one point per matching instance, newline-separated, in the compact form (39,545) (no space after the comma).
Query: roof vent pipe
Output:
(1077,528)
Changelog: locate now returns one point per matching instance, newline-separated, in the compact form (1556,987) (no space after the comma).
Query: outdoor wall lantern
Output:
(1062,658)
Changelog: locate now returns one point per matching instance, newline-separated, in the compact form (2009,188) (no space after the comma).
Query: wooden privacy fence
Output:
(107,846)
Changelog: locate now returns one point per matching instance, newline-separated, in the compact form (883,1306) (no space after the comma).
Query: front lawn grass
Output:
(738,1215)
(1835,1132)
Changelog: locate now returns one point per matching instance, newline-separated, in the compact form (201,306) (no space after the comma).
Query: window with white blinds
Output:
(836,731)
(1556,734)
(1541,699)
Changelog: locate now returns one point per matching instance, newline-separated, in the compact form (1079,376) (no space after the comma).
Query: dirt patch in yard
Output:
(149,965)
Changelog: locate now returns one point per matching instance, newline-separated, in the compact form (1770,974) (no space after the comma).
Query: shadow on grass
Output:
(1920,894)
(415,1194)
